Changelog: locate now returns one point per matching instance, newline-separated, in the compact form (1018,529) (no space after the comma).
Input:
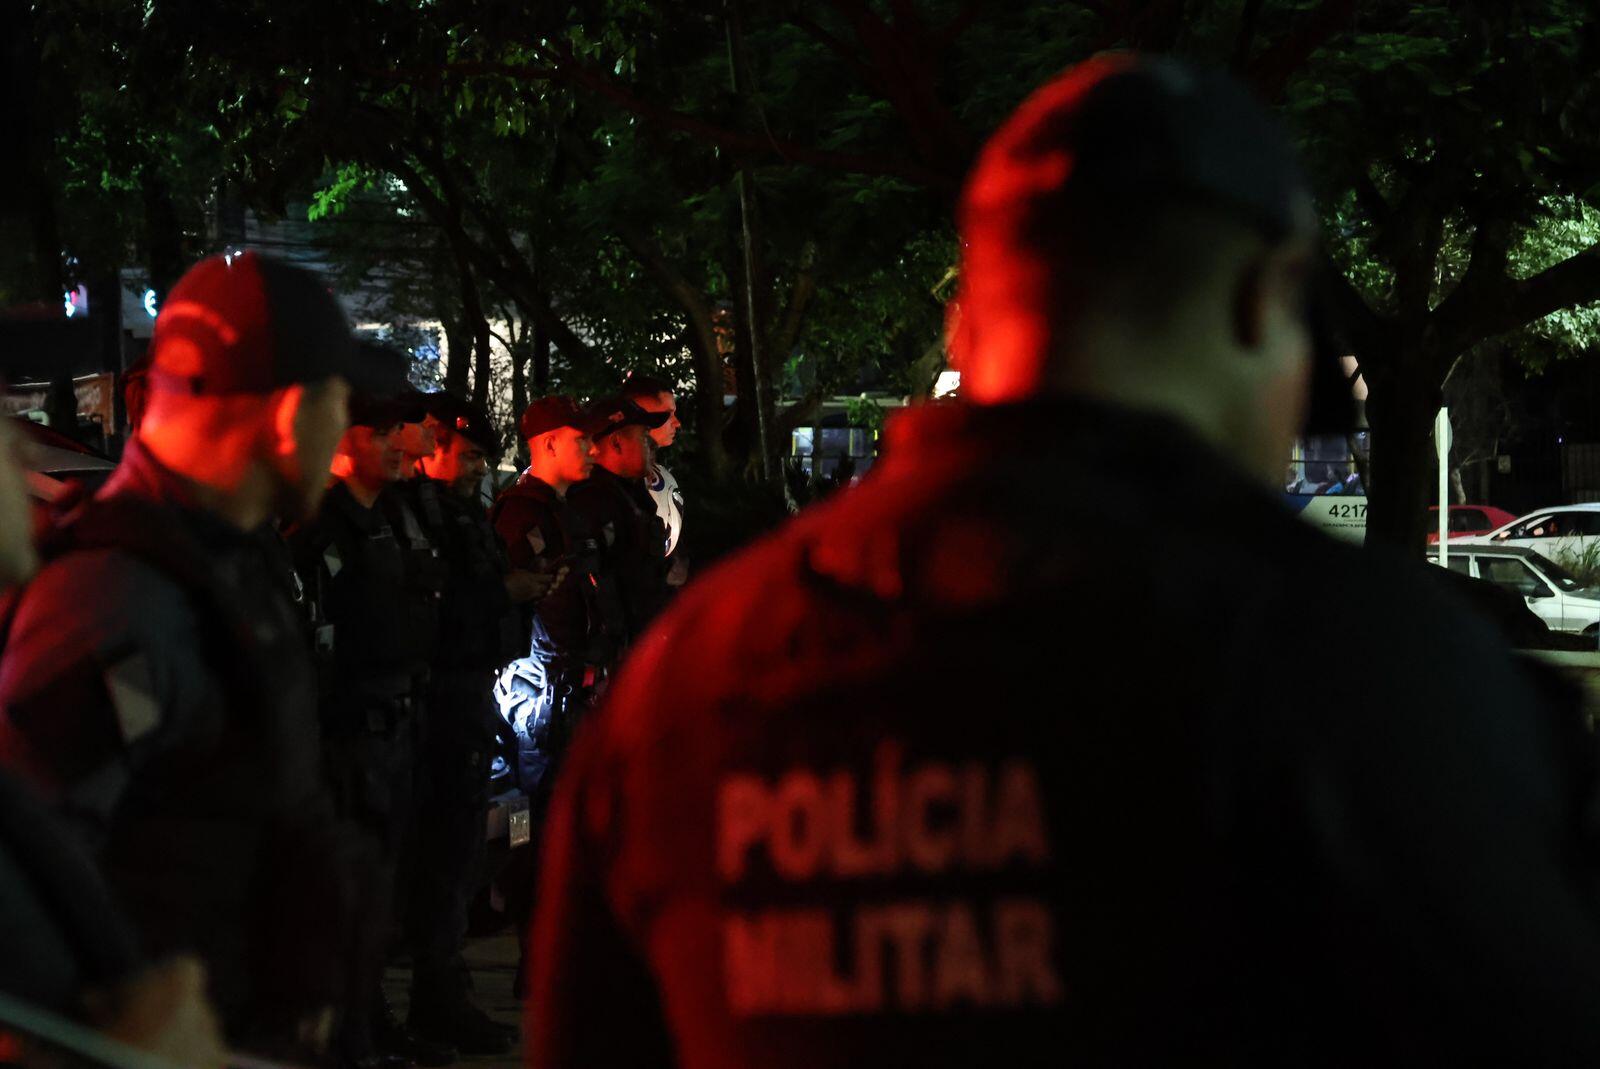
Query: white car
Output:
(1561,532)
(1554,596)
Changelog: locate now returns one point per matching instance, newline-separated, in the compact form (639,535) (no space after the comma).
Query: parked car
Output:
(1555,596)
(52,460)
(1468,520)
(1561,532)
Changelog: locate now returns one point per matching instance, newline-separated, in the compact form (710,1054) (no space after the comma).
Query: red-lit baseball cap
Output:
(552,413)
(244,323)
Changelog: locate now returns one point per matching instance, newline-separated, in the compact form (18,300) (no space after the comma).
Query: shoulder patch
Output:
(332,560)
(132,697)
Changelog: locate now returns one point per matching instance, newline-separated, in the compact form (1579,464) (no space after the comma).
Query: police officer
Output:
(577,629)
(616,504)
(482,631)
(154,679)
(364,561)
(658,395)
(1003,756)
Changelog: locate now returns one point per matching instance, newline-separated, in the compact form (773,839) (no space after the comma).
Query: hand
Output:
(163,1010)
(525,586)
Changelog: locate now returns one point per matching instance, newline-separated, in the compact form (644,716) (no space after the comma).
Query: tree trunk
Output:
(742,436)
(541,360)
(458,356)
(519,391)
(1401,415)
(482,361)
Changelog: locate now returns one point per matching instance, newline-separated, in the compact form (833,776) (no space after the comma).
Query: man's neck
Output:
(560,486)
(240,493)
(365,493)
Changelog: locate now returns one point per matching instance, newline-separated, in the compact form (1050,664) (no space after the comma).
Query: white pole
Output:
(1441,442)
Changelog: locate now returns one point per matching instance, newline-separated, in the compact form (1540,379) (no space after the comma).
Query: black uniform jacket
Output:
(1057,741)
(177,734)
(354,564)
(632,542)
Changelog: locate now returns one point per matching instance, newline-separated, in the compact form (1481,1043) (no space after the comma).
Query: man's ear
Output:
(285,410)
(1250,304)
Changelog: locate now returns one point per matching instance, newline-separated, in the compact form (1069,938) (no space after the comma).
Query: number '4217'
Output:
(1348,512)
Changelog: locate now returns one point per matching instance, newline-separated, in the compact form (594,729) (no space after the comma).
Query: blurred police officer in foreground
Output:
(1002,757)
(154,678)
(618,507)
(65,946)
(658,395)
(375,622)
(481,631)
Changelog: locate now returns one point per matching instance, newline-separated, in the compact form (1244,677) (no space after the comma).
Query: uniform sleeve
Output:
(102,672)
(513,522)
(593,1002)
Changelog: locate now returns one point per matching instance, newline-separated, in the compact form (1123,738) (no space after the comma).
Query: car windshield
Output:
(1559,575)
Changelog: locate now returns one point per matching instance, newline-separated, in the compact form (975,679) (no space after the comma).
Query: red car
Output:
(1468,520)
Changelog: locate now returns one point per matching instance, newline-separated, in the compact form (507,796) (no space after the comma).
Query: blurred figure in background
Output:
(375,619)
(481,631)
(615,502)
(657,395)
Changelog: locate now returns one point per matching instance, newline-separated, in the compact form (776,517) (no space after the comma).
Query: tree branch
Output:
(800,294)
(1571,282)
(566,67)
(1486,270)
(957,26)
(833,43)
(1244,43)
(1271,71)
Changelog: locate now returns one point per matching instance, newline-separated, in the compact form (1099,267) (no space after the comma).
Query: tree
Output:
(1453,144)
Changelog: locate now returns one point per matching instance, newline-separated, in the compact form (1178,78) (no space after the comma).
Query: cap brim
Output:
(648,420)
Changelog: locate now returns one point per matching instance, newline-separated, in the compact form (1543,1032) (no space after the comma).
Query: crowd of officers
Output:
(271,729)
(448,636)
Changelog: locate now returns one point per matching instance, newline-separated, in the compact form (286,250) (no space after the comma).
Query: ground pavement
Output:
(493,961)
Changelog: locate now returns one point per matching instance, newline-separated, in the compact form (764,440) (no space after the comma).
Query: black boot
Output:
(464,1026)
(397,1040)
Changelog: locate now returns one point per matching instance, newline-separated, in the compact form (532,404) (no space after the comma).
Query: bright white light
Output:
(947,383)
(150,303)
(75,302)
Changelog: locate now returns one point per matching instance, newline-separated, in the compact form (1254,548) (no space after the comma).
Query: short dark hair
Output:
(641,385)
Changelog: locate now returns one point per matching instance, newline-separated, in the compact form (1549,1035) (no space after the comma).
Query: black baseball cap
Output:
(552,413)
(369,410)
(614,413)
(463,418)
(1134,128)
(245,323)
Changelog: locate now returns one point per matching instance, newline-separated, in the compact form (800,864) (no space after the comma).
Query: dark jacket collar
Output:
(1064,438)
(141,475)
